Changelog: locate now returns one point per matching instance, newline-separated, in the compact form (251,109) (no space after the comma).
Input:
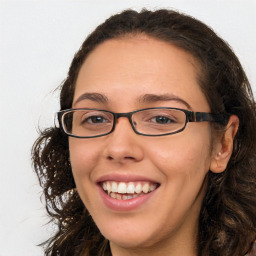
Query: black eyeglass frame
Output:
(191,116)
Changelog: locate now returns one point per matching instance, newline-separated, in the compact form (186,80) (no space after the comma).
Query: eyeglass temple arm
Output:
(201,116)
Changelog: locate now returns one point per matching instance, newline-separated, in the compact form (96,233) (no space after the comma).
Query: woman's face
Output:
(123,75)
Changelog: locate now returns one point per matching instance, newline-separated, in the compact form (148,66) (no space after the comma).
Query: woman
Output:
(155,149)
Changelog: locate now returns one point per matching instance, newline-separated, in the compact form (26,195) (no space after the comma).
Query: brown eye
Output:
(162,120)
(95,120)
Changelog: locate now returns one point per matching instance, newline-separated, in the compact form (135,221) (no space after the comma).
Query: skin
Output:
(124,70)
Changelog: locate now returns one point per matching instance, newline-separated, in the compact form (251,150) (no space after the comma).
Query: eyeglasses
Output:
(161,121)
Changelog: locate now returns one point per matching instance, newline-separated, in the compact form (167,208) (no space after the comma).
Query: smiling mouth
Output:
(127,190)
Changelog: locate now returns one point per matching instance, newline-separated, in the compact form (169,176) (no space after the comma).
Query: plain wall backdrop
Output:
(37,42)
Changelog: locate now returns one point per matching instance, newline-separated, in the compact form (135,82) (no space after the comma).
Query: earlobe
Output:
(224,146)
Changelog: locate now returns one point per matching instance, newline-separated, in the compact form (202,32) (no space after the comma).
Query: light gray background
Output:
(37,42)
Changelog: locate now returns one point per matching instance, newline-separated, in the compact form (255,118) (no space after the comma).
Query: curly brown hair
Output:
(227,223)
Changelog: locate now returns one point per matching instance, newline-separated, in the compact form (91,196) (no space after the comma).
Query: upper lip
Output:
(124,178)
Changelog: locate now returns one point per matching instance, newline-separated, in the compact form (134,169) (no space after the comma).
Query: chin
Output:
(130,241)
(131,235)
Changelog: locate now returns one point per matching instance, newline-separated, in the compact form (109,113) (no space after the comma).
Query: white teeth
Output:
(125,191)
(113,195)
(130,188)
(109,187)
(145,188)
(152,187)
(114,187)
(121,188)
(138,188)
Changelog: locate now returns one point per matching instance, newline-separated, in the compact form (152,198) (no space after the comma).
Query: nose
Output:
(123,144)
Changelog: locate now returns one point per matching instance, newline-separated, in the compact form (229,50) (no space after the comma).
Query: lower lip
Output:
(124,205)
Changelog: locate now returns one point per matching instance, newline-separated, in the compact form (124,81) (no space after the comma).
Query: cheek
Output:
(183,155)
(83,156)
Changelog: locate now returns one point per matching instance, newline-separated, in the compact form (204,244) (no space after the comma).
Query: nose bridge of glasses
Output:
(127,115)
(118,115)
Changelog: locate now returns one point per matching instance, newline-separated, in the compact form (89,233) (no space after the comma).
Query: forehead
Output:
(134,66)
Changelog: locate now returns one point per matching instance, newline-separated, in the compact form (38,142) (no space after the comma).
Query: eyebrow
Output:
(97,97)
(152,98)
(146,98)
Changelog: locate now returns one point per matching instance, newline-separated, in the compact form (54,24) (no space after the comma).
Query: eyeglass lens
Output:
(89,123)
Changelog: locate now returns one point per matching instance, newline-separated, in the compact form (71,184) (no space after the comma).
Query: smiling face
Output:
(155,184)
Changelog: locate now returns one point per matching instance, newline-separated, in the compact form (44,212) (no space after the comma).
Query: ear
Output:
(224,146)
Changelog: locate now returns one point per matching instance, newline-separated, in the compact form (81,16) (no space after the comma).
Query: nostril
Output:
(129,157)
(126,157)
